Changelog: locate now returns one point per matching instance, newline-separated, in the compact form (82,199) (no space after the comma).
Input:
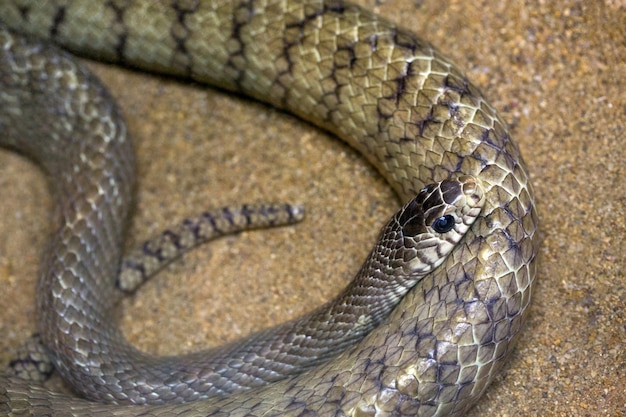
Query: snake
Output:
(462,247)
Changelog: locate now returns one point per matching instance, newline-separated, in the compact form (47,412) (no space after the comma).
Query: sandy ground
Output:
(555,69)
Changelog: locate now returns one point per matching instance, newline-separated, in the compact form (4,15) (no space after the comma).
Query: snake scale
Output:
(384,91)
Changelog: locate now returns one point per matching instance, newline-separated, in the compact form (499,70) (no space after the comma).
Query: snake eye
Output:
(443,224)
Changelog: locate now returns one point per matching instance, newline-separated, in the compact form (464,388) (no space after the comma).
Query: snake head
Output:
(422,234)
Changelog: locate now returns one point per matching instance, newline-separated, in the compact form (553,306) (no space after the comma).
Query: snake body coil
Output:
(387,93)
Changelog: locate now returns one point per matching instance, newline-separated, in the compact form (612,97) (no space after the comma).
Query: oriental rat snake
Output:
(387,93)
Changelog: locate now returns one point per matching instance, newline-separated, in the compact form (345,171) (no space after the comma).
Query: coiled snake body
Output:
(387,93)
